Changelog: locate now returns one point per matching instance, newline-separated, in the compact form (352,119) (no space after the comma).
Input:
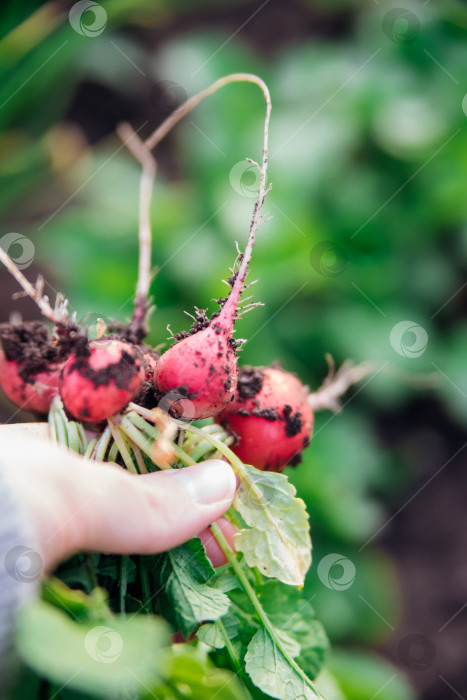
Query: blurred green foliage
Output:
(367,159)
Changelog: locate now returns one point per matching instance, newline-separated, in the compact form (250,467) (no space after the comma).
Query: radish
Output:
(270,418)
(34,394)
(100,377)
(203,366)
(30,362)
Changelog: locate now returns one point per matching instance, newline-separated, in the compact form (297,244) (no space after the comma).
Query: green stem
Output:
(123,582)
(139,459)
(230,649)
(64,431)
(237,465)
(238,569)
(113,453)
(58,424)
(82,438)
(102,445)
(154,434)
(73,437)
(145,588)
(200,450)
(135,435)
(189,441)
(90,448)
(121,446)
(235,518)
(52,429)
(257,575)
(91,571)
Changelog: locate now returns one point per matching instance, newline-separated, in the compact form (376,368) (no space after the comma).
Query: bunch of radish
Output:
(267,411)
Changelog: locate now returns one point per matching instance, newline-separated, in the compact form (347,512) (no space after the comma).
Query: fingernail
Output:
(209,482)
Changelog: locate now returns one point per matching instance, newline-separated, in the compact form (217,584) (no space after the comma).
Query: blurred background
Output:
(364,257)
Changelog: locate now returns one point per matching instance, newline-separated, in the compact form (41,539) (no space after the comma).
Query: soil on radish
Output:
(269,418)
(250,382)
(100,378)
(31,347)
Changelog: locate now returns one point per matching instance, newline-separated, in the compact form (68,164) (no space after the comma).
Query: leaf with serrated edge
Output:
(291,613)
(191,600)
(270,671)
(278,538)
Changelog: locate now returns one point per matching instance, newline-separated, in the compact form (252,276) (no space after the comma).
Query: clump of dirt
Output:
(293,421)
(250,382)
(34,349)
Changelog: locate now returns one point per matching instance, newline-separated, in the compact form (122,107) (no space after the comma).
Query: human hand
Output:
(71,504)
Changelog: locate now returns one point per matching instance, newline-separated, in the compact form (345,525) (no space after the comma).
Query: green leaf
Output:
(211,634)
(272,673)
(278,539)
(189,674)
(240,622)
(291,613)
(75,602)
(97,658)
(362,674)
(184,573)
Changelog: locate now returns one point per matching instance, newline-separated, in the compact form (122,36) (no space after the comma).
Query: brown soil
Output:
(293,421)
(31,346)
(120,373)
(250,382)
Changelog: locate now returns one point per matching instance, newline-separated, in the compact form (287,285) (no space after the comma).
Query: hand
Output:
(71,504)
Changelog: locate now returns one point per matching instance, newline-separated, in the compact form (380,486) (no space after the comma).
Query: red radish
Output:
(100,378)
(270,418)
(203,366)
(34,394)
(30,362)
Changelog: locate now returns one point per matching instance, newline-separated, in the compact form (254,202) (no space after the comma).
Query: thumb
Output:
(152,513)
(71,504)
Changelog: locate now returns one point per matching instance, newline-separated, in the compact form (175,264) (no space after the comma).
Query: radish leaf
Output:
(277,540)
(184,572)
(272,673)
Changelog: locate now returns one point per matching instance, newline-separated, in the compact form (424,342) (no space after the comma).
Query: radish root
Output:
(59,314)
(141,150)
(337,383)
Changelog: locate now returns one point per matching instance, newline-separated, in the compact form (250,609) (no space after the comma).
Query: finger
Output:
(213,549)
(154,512)
(20,430)
(74,504)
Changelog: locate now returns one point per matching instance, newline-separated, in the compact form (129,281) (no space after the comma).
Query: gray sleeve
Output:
(20,572)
